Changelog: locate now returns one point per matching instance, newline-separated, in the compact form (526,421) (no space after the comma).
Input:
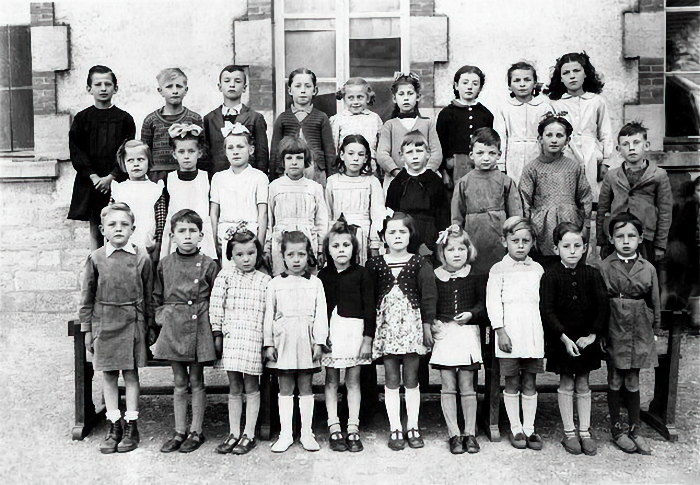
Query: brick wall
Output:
(651,5)
(651,80)
(41,13)
(44,89)
(422,8)
(261,88)
(259,9)
(426,72)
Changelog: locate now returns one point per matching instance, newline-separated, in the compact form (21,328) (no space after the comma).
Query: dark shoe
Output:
(643,447)
(112,439)
(244,445)
(131,439)
(227,445)
(571,444)
(337,442)
(396,441)
(353,442)
(622,439)
(588,445)
(518,441)
(414,439)
(193,442)
(534,442)
(174,443)
(456,447)
(471,445)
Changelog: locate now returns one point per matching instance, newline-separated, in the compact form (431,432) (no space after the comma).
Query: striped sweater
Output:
(154,133)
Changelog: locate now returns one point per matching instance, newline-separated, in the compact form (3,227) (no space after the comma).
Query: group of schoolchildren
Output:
(405,243)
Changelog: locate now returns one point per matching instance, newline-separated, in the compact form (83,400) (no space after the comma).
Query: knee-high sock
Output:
(392,400)
(252,408)
(306,410)
(354,401)
(180,408)
(235,408)
(412,407)
(332,407)
(633,404)
(529,411)
(469,411)
(286,409)
(448,400)
(566,408)
(199,402)
(583,406)
(512,403)
(614,403)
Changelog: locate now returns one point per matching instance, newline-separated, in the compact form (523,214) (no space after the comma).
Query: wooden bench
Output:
(661,414)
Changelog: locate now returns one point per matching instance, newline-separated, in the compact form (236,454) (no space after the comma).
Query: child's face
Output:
(397,236)
(354,156)
(406,97)
(187,236)
(238,152)
(296,258)
(232,85)
(519,244)
(571,249)
(136,163)
(340,249)
(187,153)
(633,148)
(468,87)
(456,253)
(626,239)
(554,139)
(302,89)
(102,88)
(522,82)
(173,90)
(572,75)
(355,99)
(117,227)
(244,256)
(294,165)
(484,156)
(415,157)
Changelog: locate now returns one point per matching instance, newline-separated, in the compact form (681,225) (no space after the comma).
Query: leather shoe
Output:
(131,438)
(337,442)
(227,445)
(112,439)
(414,439)
(518,441)
(534,442)
(571,444)
(456,447)
(194,441)
(244,445)
(353,442)
(396,441)
(471,445)
(174,443)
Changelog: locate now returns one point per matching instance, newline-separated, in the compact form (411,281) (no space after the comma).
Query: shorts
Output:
(514,366)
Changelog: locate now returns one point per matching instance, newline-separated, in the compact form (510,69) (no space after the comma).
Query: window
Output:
(16,104)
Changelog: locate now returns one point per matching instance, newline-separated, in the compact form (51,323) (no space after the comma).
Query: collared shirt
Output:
(128,247)
(230,111)
(301,112)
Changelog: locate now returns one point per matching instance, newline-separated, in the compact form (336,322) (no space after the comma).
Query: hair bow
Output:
(180,130)
(352,228)
(232,231)
(412,75)
(453,230)
(235,129)
(388,213)
(554,114)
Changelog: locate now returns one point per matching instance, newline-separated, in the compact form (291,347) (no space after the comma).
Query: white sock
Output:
(583,406)
(113,415)
(354,401)
(286,408)
(529,411)
(412,407)
(566,408)
(306,410)
(131,415)
(252,409)
(512,403)
(469,411)
(235,409)
(392,400)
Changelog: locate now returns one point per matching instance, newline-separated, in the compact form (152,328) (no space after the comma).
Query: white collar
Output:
(416,174)
(626,260)
(227,110)
(443,275)
(527,262)
(535,101)
(128,247)
(365,111)
(586,95)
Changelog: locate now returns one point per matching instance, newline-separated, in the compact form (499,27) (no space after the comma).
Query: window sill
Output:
(24,167)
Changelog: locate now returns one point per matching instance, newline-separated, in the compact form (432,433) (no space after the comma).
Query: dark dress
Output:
(573,302)
(94,138)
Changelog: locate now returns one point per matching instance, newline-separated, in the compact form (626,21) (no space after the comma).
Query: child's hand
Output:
(271,354)
(437,330)
(428,339)
(463,318)
(602,171)
(584,342)
(366,349)
(571,347)
(88,342)
(318,353)
(504,342)
(219,346)
(103,184)
(373,253)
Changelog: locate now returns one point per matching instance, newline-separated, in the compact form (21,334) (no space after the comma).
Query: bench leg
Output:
(264,418)
(85,415)
(370,393)
(489,413)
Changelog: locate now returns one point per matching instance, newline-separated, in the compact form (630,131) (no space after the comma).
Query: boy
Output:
(184,281)
(94,138)
(232,84)
(419,192)
(172,85)
(635,317)
(639,187)
(484,198)
(116,304)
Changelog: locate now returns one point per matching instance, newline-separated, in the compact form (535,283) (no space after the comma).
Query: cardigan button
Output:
(196,281)
(189,302)
(194,317)
(199,264)
(574,297)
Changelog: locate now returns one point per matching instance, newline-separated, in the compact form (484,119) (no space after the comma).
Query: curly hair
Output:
(357,81)
(591,84)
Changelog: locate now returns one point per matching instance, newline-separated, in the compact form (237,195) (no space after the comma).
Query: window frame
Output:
(13,151)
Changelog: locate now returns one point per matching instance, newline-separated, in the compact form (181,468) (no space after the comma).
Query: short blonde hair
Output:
(170,73)
(116,207)
(121,153)
(516,223)
(460,235)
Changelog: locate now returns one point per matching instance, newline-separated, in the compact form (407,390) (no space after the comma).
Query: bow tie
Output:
(231,118)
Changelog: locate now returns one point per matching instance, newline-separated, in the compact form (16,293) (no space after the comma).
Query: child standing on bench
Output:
(116,306)
(183,285)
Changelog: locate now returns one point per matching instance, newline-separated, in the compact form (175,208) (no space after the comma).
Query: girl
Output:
(512,303)
(237,312)
(304,121)
(295,328)
(357,119)
(516,121)
(239,194)
(574,313)
(459,120)
(457,350)
(349,293)
(554,187)
(188,188)
(405,298)
(355,193)
(295,203)
(405,93)
(145,198)
(575,89)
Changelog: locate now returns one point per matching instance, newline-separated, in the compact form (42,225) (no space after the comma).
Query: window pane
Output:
(374,5)
(683,105)
(20,56)
(4,58)
(682,40)
(313,50)
(309,6)
(22,119)
(378,28)
(5,127)
(309,24)
(682,3)
(374,57)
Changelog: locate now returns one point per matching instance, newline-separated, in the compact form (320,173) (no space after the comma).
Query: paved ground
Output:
(37,412)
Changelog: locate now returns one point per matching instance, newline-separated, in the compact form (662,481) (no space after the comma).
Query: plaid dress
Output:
(237,309)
